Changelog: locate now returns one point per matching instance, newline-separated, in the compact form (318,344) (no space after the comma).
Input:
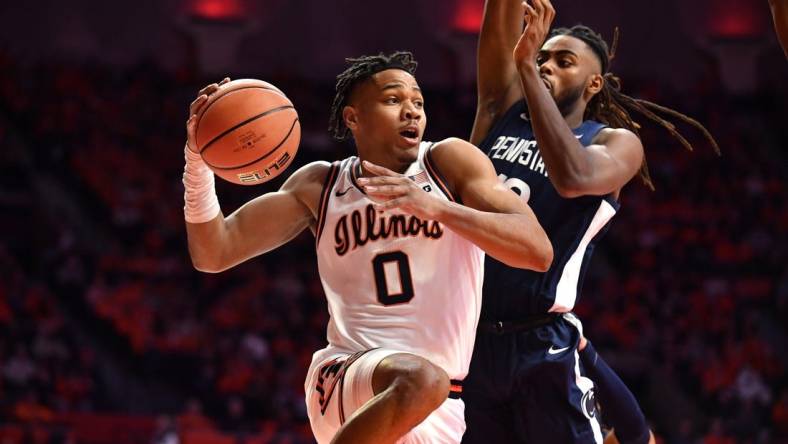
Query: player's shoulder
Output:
(307,182)
(458,160)
(309,174)
(621,144)
(608,134)
(453,148)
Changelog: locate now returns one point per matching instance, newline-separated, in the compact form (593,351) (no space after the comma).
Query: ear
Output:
(350,117)
(595,84)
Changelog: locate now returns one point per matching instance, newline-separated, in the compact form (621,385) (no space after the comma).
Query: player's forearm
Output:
(501,27)
(514,239)
(206,241)
(250,231)
(496,73)
(205,226)
(567,162)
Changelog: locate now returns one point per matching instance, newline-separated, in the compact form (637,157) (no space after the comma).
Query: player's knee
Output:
(425,387)
(416,382)
(427,383)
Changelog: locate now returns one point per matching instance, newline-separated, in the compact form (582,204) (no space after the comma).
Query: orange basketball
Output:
(248,132)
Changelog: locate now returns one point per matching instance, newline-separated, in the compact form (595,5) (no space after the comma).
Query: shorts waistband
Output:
(525,324)
(455,392)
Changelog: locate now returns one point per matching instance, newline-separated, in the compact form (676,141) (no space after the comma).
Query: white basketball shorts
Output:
(342,383)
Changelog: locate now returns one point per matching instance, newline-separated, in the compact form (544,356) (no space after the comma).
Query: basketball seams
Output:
(227,93)
(249,120)
(242,129)
(216,97)
(273,150)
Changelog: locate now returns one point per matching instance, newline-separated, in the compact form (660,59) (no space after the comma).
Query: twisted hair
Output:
(612,107)
(361,69)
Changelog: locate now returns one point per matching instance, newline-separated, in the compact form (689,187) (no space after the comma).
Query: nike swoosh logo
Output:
(555,351)
(342,193)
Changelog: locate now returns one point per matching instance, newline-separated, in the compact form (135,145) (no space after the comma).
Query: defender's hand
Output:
(195,107)
(395,191)
(538,19)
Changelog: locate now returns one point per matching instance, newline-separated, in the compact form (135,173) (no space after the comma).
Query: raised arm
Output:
(491,216)
(599,169)
(497,80)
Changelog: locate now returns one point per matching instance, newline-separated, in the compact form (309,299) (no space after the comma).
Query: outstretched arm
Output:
(780,17)
(497,80)
(575,170)
(491,216)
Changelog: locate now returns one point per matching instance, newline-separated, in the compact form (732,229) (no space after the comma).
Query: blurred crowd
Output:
(101,312)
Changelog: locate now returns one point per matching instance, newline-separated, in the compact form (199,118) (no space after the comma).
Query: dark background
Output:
(108,335)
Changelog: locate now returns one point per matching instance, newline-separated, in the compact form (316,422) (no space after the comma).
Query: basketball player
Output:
(401,232)
(558,131)
(780,17)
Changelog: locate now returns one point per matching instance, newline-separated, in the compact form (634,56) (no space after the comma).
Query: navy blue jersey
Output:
(573,225)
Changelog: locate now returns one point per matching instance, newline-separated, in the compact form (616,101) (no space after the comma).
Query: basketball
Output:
(248,132)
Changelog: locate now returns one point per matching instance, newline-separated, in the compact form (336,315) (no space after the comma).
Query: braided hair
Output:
(361,69)
(612,107)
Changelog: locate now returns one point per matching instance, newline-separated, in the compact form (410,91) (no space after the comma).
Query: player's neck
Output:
(397,167)
(386,160)
(574,118)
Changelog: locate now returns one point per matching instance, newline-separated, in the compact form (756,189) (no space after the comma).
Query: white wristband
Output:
(201,204)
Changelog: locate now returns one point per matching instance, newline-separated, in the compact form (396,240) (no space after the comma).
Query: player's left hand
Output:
(392,190)
(538,19)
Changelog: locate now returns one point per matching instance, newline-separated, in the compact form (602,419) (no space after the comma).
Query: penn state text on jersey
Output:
(573,225)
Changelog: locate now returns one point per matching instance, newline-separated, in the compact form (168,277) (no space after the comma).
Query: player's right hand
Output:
(194,109)
(391,190)
(538,19)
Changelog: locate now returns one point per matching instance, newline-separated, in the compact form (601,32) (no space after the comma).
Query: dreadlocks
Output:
(612,107)
(359,70)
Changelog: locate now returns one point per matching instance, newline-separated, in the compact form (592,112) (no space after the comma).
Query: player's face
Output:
(389,112)
(568,66)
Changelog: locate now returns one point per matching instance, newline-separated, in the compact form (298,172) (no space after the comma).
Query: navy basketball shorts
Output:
(527,387)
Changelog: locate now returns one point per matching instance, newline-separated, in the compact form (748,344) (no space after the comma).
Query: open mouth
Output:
(411,135)
(547,84)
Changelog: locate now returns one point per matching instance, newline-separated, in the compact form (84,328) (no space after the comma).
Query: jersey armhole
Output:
(325,196)
(596,128)
(438,177)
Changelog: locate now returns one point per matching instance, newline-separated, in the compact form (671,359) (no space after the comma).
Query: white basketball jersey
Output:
(393,280)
